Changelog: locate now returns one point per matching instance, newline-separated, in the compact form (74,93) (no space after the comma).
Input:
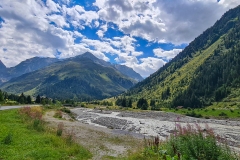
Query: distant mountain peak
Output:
(88,55)
(2,66)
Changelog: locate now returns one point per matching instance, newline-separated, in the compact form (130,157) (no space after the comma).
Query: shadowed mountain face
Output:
(206,71)
(3,71)
(30,65)
(26,66)
(74,78)
(2,66)
(121,68)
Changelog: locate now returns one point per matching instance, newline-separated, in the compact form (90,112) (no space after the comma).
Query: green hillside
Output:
(206,71)
(75,78)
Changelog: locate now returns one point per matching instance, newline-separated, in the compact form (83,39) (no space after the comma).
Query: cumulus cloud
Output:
(164,21)
(33,28)
(159,52)
(46,28)
(146,66)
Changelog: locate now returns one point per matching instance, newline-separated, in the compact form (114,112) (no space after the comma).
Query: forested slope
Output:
(207,70)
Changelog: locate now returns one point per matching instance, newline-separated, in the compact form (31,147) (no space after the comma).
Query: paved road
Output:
(14,107)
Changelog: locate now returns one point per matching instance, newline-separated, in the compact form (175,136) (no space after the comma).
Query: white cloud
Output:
(178,21)
(58,20)
(52,6)
(146,66)
(27,30)
(79,17)
(159,52)
(102,30)
(229,3)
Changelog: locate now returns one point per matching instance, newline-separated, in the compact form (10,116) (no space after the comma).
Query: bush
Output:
(222,114)
(60,129)
(58,114)
(193,114)
(66,110)
(7,139)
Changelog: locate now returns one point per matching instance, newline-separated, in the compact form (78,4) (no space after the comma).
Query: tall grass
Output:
(188,143)
(33,116)
(19,139)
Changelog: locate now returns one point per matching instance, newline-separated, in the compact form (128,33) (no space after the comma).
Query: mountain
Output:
(2,66)
(74,78)
(121,68)
(3,71)
(26,66)
(128,72)
(29,65)
(206,71)
(36,63)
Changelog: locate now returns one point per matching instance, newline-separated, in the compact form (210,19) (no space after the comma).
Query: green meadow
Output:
(22,138)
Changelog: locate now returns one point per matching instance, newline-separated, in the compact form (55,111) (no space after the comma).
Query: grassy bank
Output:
(219,113)
(23,138)
(187,143)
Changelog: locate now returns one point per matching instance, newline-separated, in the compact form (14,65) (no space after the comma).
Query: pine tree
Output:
(1,96)
(22,99)
(38,99)
(29,100)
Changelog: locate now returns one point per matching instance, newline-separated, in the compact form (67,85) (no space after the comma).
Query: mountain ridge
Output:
(121,68)
(36,63)
(2,66)
(74,78)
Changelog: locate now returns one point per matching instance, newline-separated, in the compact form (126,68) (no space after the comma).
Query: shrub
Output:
(66,110)
(60,129)
(58,114)
(222,114)
(7,139)
(193,114)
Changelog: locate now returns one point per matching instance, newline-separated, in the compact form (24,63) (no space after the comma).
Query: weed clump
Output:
(60,129)
(58,114)
(33,116)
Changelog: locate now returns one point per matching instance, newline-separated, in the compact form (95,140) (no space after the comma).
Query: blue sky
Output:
(142,34)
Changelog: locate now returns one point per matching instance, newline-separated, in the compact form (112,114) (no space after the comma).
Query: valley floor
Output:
(102,142)
(109,134)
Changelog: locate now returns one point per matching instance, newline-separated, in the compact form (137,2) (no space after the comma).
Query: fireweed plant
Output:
(190,142)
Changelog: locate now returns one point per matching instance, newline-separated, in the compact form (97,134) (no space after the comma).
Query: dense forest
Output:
(22,99)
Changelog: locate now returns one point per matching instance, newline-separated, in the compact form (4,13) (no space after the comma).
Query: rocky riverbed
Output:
(150,123)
